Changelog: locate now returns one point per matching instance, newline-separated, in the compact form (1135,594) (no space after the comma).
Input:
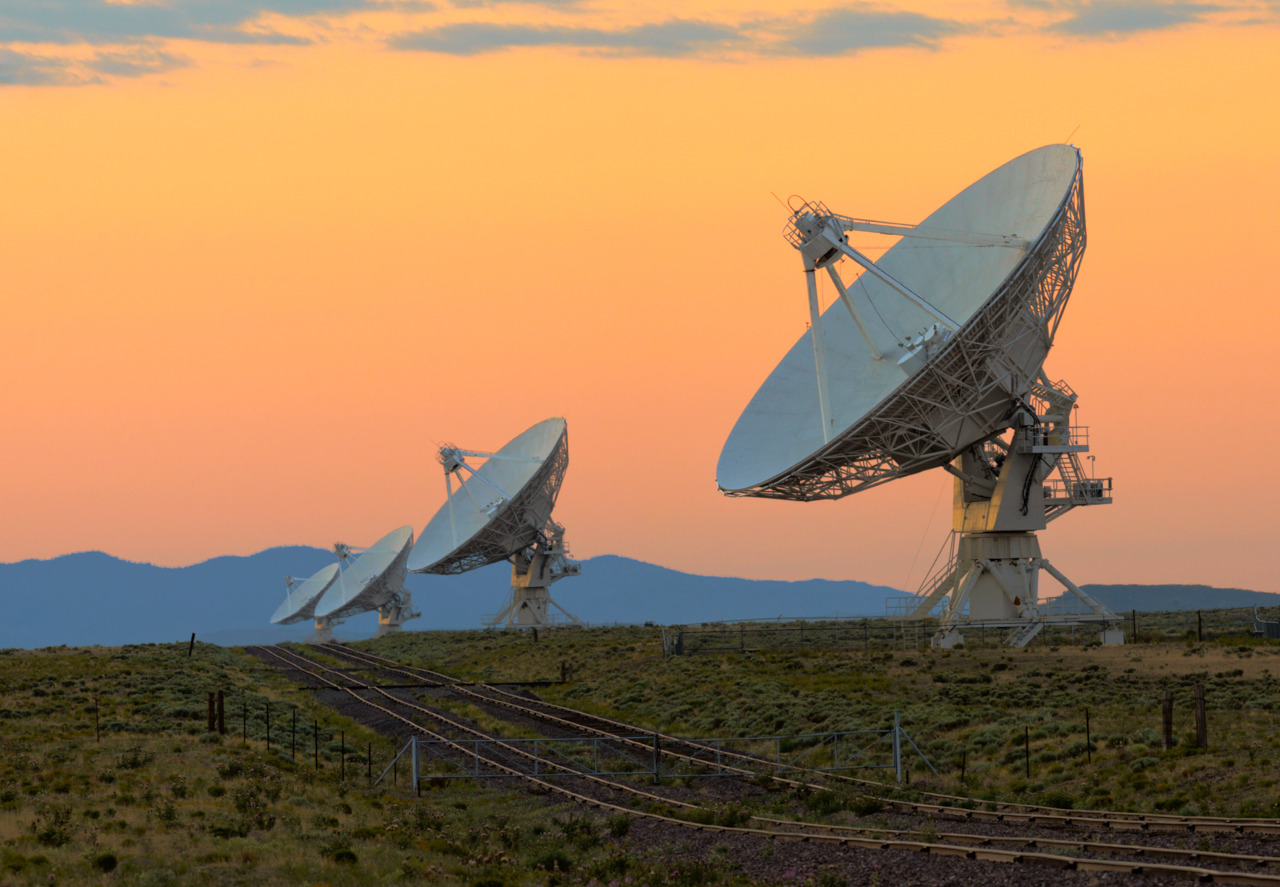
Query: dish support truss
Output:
(1004,492)
(533,571)
(957,397)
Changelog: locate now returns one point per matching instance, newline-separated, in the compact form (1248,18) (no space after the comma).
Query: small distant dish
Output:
(372,580)
(498,509)
(502,511)
(301,597)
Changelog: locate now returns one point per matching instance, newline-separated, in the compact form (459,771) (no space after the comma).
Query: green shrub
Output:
(866,806)
(105,862)
(824,802)
(134,758)
(1059,799)
(52,825)
(553,861)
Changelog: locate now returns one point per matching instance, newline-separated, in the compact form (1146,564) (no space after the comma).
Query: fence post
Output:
(1167,737)
(1026,748)
(1199,625)
(315,735)
(212,716)
(1202,723)
(656,759)
(897,748)
(1088,738)
(293,737)
(416,787)
(1133,615)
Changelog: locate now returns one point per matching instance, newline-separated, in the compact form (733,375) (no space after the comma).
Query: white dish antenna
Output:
(915,360)
(502,511)
(932,357)
(301,597)
(370,580)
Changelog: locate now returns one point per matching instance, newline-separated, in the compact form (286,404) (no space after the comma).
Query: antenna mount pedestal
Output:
(533,571)
(324,630)
(394,613)
(1003,495)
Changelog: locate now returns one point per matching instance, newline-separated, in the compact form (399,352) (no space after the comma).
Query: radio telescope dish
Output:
(933,358)
(301,597)
(502,511)
(372,580)
(916,359)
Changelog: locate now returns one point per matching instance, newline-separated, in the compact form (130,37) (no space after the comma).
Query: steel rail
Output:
(844,836)
(1004,812)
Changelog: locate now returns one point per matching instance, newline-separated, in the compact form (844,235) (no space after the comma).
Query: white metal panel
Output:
(300,601)
(370,580)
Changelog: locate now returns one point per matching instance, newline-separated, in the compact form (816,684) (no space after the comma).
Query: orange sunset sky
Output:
(261,257)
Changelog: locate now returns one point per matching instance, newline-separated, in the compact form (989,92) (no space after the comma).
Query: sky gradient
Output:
(262,257)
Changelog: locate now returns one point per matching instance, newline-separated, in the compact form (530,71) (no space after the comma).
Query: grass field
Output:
(154,798)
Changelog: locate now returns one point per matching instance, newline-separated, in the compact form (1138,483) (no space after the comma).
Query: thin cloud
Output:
(136,63)
(24,69)
(487,4)
(675,38)
(1123,18)
(852,29)
(98,22)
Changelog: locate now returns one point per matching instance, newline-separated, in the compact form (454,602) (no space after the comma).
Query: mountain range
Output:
(94,598)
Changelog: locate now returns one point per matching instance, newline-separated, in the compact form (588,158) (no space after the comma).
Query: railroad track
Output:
(1107,857)
(938,805)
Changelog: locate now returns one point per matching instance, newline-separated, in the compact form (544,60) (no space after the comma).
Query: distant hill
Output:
(1122,598)
(93,598)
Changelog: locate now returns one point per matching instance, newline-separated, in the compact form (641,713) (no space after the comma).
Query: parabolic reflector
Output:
(501,508)
(370,580)
(905,394)
(301,599)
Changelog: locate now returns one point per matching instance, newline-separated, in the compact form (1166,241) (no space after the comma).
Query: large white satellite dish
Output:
(502,511)
(371,580)
(301,597)
(933,358)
